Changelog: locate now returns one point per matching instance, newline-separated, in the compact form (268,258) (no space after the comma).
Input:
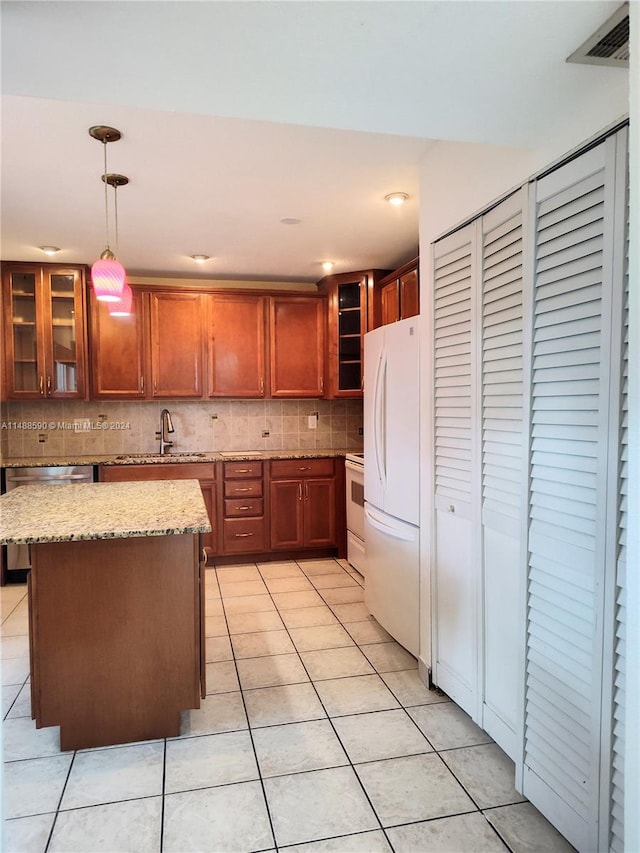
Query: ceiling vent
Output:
(609,45)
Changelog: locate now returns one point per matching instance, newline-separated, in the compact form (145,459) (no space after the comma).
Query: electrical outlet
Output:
(81,425)
(360,430)
(42,437)
(265,433)
(214,417)
(102,418)
(312,421)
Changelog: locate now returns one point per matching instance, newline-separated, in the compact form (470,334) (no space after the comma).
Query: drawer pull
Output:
(243,470)
(244,507)
(243,535)
(304,468)
(247,489)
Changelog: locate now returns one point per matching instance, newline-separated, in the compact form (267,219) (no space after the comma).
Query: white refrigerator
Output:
(392,478)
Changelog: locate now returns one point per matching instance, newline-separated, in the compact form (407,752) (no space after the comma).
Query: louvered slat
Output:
(502,399)
(452,393)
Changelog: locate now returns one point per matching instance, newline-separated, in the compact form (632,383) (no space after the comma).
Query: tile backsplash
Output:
(130,427)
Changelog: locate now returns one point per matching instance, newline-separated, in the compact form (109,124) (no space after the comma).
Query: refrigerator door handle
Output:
(378,413)
(405,533)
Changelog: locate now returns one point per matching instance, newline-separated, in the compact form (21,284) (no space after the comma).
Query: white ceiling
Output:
(237,114)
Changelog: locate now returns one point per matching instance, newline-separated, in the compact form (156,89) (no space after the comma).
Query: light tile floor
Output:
(316,736)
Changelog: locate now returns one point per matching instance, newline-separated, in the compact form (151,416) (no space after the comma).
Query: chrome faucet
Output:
(166,427)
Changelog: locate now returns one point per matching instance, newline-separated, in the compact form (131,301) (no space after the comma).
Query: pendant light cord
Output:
(106,195)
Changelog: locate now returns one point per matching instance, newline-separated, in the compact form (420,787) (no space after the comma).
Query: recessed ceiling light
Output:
(290,220)
(327,266)
(396,198)
(49,250)
(200,259)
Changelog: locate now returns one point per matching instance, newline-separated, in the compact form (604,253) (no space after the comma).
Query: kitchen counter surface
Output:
(32,514)
(155,458)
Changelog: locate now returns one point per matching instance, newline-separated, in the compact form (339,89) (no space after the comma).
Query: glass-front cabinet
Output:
(45,342)
(352,311)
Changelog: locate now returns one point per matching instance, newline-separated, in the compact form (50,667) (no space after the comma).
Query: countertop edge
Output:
(178,459)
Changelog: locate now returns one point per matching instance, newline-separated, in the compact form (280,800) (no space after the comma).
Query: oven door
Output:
(355,498)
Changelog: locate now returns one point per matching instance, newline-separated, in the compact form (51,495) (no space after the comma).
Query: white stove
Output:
(354,470)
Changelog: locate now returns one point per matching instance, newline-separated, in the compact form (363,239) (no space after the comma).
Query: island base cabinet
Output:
(115,632)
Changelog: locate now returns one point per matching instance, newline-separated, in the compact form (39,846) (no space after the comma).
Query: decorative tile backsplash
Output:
(130,427)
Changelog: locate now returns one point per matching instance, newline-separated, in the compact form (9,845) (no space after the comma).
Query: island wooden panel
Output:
(115,637)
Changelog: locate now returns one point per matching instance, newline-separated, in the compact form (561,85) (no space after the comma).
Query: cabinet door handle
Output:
(142,384)
(243,535)
(41,385)
(204,556)
(48,385)
(306,491)
(155,384)
(261,385)
(299,491)
(322,384)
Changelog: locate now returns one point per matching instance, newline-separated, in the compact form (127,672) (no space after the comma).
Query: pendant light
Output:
(123,306)
(107,274)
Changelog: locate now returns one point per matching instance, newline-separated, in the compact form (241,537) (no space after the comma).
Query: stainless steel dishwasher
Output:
(18,558)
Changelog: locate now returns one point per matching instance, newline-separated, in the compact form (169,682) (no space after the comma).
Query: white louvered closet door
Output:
(503,465)
(571,526)
(456,587)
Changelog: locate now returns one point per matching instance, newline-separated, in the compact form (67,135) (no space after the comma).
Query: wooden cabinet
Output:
(399,294)
(243,522)
(297,325)
(236,345)
(352,311)
(175,322)
(204,472)
(156,352)
(44,333)
(119,367)
(303,503)
(116,643)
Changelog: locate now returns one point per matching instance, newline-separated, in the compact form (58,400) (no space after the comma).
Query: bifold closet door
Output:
(576,218)
(503,466)
(456,439)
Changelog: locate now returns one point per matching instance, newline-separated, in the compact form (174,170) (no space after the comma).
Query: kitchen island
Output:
(116,619)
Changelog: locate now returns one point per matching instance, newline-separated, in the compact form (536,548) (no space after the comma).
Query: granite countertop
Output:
(31,514)
(155,458)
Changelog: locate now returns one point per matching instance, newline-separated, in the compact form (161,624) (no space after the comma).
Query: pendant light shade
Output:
(107,278)
(122,308)
(107,274)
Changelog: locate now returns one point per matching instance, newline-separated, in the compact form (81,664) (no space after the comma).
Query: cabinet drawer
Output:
(161,471)
(302,468)
(243,488)
(233,470)
(238,507)
(243,534)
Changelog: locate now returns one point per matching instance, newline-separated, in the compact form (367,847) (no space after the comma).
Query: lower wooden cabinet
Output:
(303,503)
(260,508)
(243,520)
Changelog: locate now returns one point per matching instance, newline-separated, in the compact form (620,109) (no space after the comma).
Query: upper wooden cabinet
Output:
(236,345)
(44,332)
(176,333)
(352,311)
(399,294)
(117,345)
(296,326)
